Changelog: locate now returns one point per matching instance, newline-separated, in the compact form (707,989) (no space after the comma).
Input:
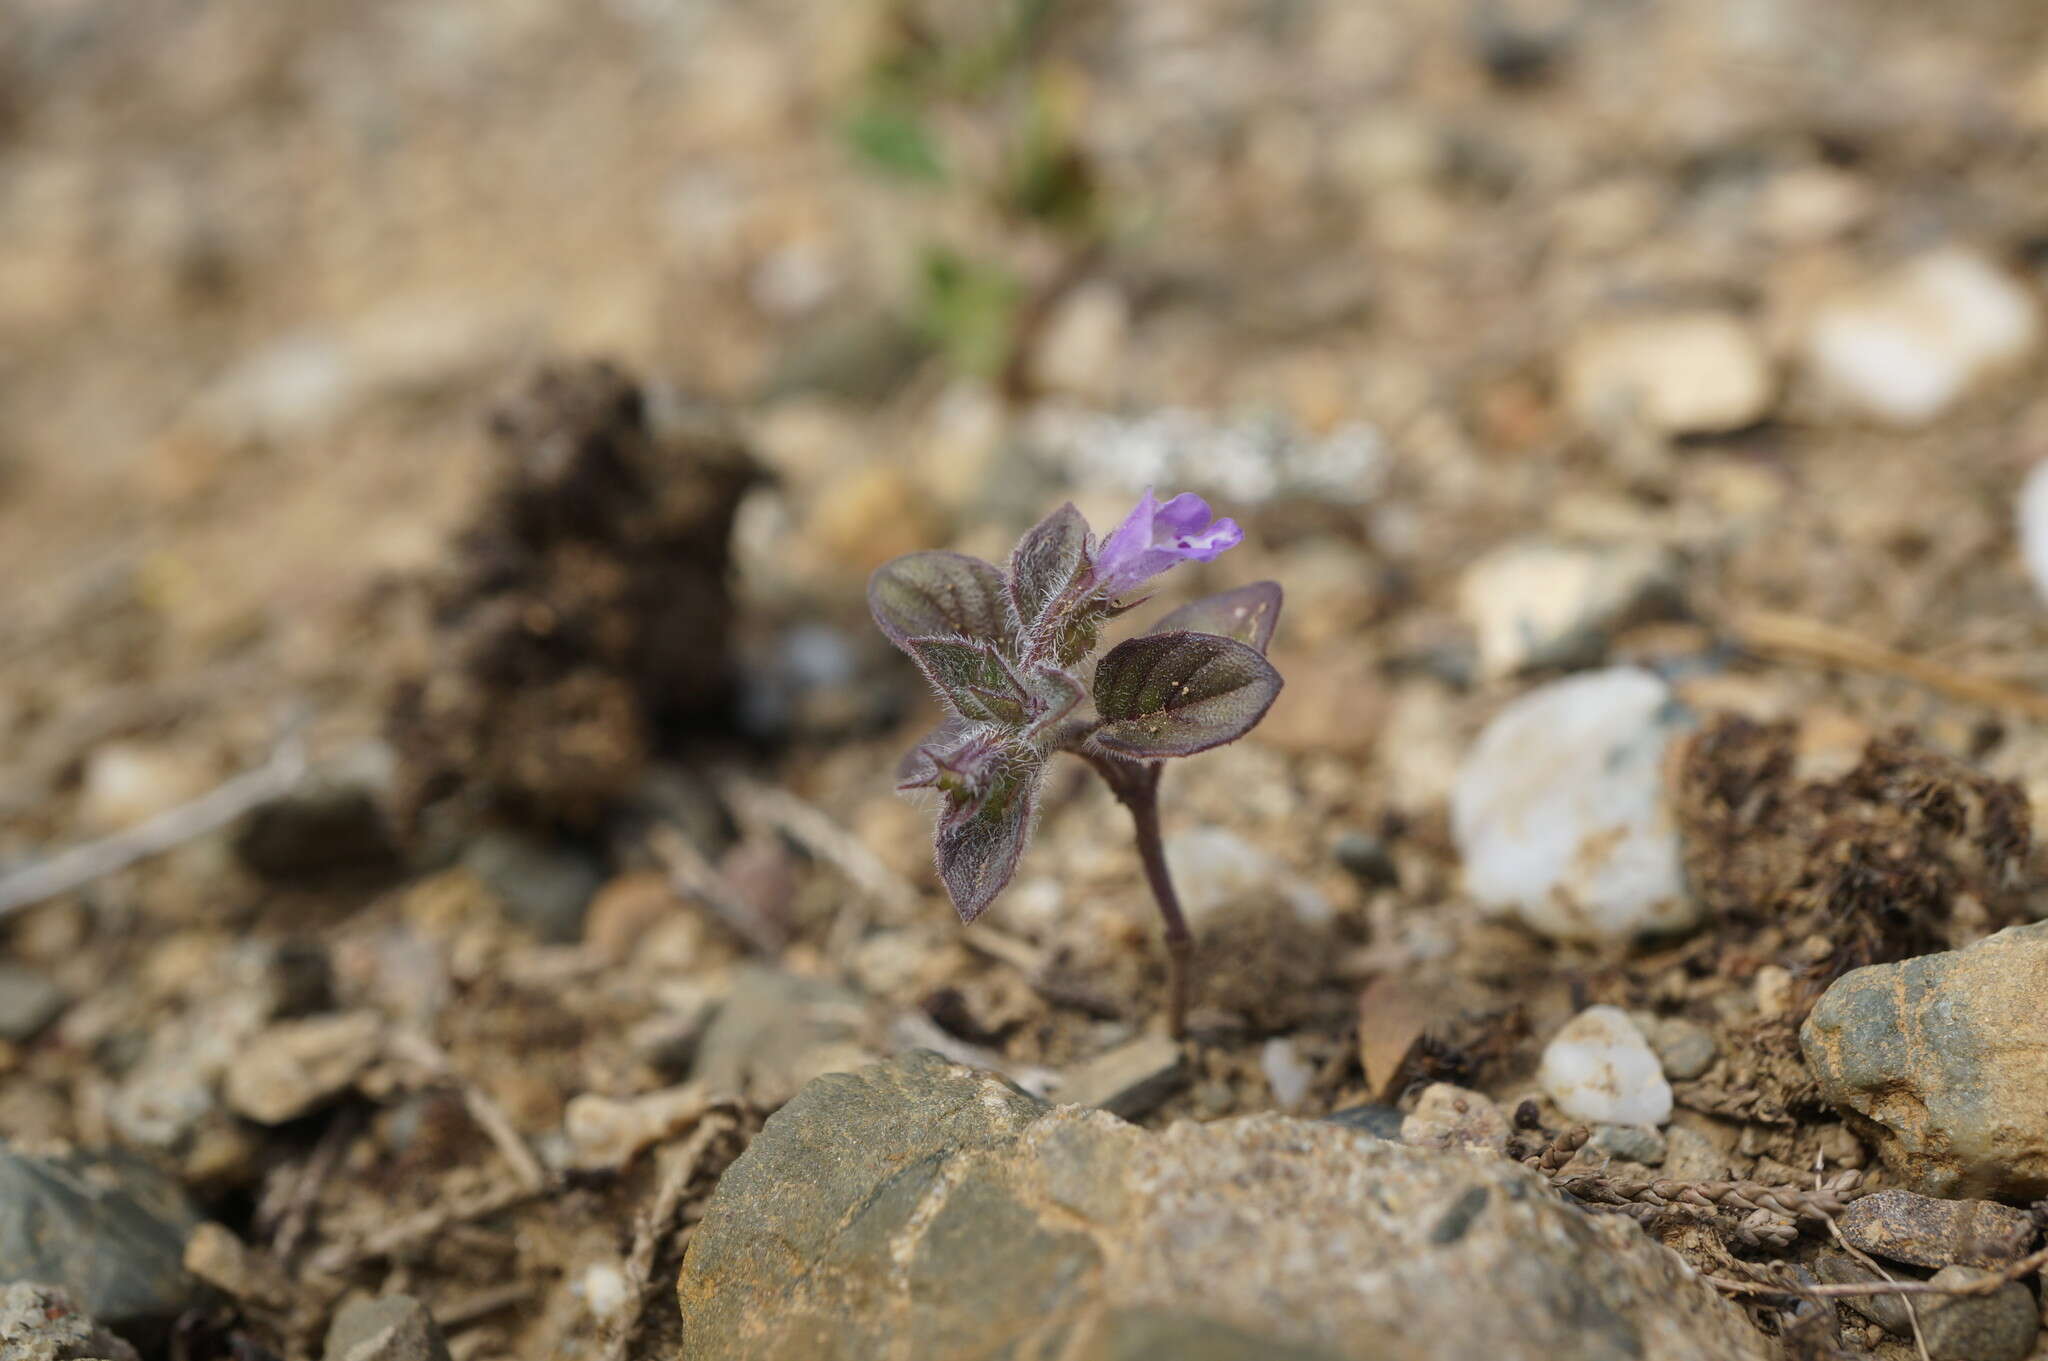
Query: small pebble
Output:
(1601,1070)
(1446,1116)
(41,1323)
(1632,1143)
(1685,1048)
(1383,1122)
(1903,349)
(1691,1156)
(28,1002)
(1559,812)
(1772,989)
(1686,373)
(1129,1080)
(1545,604)
(1368,860)
(291,1068)
(1905,1227)
(393,1328)
(1285,1073)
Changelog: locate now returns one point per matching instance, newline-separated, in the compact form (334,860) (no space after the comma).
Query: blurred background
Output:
(498,404)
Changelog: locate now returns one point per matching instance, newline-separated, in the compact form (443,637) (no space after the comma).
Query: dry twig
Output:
(2013,1271)
(338,1258)
(697,877)
(814,830)
(79,866)
(676,1177)
(1784,635)
(488,1114)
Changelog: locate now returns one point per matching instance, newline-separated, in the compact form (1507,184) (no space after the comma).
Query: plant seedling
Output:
(1004,650)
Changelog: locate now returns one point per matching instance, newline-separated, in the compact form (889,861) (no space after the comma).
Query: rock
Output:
(392,1328)
(545,886)
(214,1255)
(40,1323)
(1924,1231)
(1129,1080)
(1904,348)
(1685,1048)
(928,1210)
(1687,373)
(776,1032)
(1632,1143)
(1600,1069)
(125,783)
(28,1002)
(1081,351)
(1215,869)
(1287,1075)
(331,825)
(1559,811)
(1368,859)
(1999,1326)
(624,909)
(2033,527)
(1941,1061)
(1446,1116)
(1691,1156)
(1542,604)
(291,1068)
(109,1229)
(1382,1122)
(605,1133)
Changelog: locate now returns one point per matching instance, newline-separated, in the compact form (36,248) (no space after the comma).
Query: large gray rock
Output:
(916,1209)
(40,1323)
(1943,1061)
(110,1230)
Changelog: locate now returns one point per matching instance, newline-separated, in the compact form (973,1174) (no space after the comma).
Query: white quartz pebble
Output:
(1601,1070)
(1559,811)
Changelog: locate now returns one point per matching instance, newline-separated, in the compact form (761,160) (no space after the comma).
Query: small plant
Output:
(1003,650)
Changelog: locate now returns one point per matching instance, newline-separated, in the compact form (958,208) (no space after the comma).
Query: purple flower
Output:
(1154,537)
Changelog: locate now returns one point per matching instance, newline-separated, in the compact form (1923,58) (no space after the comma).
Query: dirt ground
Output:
(275,281)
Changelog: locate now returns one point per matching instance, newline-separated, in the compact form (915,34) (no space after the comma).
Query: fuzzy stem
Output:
(1139,792)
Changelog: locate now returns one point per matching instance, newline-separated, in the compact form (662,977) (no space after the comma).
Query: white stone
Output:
(1542,604)
(129,782)
(1286,1073)
(1601,1070)
(2033,526)
(1559,811)
(1214,868)
(1902,349)
(1685,373)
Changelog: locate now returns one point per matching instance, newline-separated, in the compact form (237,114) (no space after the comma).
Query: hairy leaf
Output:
(1054,695)
(917,769)
(1048,561)
(924,595)
(979,841)
(972,677)
(1174,694)
(1246,614)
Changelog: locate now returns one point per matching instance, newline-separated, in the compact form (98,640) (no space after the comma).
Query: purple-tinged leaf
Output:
(924,595)
(917,769)
(1054,694)
(972,677)
(1246,614)
(1174,694)
(1049,561)
(979,842)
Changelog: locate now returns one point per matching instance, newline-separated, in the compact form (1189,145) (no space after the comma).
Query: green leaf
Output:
(972,677)
(926,595)
(969,309)
(1047,563)
(1246,614)
(979,842)
(1174,694)
(892,139)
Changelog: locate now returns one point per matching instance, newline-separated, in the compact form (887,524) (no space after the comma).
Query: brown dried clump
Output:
(586,616)
(1890,860)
